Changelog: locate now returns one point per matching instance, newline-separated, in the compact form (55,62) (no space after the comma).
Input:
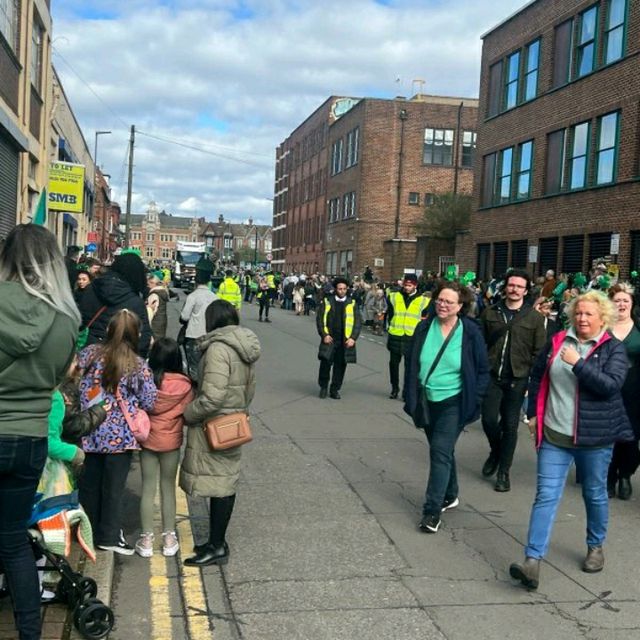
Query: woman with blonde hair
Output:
(114,375)
(576,414)
(38,327)
(626,456)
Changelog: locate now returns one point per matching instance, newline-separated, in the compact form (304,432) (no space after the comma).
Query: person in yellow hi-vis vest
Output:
(338,323)
(405,309)
(230,291)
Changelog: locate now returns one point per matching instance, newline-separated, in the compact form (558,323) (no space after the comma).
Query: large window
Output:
(606,148)
(334,209)
(531,71)
(9,22)
(336,157)
(562,48)
(438,146)
(504,180)
(555,161)
(586,44)
(614,30)
(36,55)
(578,160)
(468,148)
(511,81)
(525,164)
(353,142)
(349,205)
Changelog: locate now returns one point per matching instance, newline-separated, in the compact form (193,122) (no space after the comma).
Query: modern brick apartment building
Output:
(299,202)
(353,179)
(557,174)
(387,159)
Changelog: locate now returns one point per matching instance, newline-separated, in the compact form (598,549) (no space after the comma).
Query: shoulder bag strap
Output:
(123,408)
(98,313)
(442,348)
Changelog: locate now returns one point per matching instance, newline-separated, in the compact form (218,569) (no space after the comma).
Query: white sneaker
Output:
(144,545)
(170,543)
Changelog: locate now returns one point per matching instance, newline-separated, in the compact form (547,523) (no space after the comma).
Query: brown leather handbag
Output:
(225,432)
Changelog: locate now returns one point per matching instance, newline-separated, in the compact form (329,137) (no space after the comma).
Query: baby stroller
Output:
(91,617)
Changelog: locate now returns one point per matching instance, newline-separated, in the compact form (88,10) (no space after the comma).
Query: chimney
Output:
(250,221)
(220,219)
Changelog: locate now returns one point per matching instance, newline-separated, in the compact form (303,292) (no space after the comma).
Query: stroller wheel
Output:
(88,588)
(94,619)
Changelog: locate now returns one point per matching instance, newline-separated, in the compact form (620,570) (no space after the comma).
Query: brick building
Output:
(557,175)
(387,159)
(156,232)
(353,179)
(299,202)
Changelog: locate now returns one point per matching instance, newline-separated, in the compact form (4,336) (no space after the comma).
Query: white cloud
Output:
(191,71)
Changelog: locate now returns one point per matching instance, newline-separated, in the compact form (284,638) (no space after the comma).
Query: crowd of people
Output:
(89,377)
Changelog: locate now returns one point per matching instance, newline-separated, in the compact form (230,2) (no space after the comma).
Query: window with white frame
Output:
(469,139)
(37,37)
(438,146)
(151,237)
(227,242)
(353,143)
(336,157)
(150,252)
(9,14)
(414,197)
(349,205)
(166,253)
(334,209)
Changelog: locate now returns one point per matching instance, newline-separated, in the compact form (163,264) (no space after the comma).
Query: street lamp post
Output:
(255,251)
(103,251)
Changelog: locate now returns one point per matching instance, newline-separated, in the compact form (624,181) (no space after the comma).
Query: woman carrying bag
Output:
(226,386)
(446,376)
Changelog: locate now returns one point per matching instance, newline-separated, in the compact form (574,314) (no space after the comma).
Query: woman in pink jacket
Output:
(160,454)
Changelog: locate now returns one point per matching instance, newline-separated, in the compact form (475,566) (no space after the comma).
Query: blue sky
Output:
(236,77)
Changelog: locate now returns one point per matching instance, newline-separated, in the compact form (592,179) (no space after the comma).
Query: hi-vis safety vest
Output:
(349,318)
(405,319)
(271,282)
(230,291)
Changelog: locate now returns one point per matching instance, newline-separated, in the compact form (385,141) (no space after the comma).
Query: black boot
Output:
(491,464)
(502,482)
(216,551)
(624,488)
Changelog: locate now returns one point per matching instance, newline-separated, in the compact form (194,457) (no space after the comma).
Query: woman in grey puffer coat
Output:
(227,385)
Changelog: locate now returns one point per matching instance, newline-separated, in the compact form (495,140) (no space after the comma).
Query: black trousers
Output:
(501,417)
(339,366)
(264,306)
(625,460)
(102,491)
(394,369)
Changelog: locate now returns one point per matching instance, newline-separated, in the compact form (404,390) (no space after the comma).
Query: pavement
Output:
(324,539)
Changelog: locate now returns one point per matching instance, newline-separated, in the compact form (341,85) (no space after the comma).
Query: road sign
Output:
(91,247)
(269,257)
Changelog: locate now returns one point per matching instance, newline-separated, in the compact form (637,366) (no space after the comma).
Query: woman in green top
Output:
(446,376)
(626,456)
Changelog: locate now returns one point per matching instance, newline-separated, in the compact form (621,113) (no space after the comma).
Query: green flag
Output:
(40,215)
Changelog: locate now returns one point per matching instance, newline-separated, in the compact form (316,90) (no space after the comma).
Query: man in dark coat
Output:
(338,324)
(122,287)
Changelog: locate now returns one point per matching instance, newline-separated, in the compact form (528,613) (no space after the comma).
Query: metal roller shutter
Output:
(572,254)
(500,258)
(548,258)
(9,163)
(635,252)
(599,246)
(482,267)
(519,250)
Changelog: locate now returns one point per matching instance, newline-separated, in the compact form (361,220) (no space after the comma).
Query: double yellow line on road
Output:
(190,584)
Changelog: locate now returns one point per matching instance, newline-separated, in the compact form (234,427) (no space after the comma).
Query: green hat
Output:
(133,250)
(158,274)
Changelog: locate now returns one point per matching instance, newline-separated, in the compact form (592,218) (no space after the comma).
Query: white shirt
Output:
(194,308)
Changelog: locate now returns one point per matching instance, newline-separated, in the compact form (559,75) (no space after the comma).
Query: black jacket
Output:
(111,291)
(334,324)
(527,337)
(475,372)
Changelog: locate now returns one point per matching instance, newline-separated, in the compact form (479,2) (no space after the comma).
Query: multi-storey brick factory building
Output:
(557,176)
(366,181)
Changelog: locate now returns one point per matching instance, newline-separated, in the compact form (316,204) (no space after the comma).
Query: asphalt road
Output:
(324,539)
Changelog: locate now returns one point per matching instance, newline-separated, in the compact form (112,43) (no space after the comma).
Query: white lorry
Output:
(187,256)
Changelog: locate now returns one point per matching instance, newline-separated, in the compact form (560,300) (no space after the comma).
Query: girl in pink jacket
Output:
(160,454)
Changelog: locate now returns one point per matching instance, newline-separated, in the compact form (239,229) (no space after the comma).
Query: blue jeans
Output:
(21,462)
(592,465)
(442,434)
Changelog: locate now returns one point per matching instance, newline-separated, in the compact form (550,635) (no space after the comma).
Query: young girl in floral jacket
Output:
(112,370)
